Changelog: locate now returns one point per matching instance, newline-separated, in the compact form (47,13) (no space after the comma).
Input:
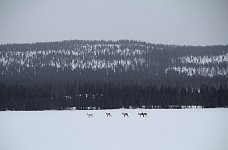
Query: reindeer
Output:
(108,114)
(125,114)
(142,114)
(89,115)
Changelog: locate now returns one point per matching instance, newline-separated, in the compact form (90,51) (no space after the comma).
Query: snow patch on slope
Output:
(204,59)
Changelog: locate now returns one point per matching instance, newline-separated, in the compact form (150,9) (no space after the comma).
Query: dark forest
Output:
(112,74)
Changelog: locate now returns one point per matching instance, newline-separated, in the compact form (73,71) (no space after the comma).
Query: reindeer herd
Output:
(142,114)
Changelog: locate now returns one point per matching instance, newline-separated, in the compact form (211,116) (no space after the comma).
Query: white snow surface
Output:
(185,129)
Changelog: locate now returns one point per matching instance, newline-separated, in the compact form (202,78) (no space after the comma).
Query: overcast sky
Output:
(183,22)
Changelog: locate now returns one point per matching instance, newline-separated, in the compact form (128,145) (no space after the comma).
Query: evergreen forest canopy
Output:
(111,74)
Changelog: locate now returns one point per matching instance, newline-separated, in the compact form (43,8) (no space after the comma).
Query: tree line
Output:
(106,95)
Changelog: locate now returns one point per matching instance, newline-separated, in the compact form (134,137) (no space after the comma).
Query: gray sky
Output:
(184,22)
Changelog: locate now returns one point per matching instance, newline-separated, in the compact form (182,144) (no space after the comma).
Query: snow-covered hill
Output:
(115,56)
(188,129)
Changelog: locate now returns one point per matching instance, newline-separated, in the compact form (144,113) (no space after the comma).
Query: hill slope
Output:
(111,74)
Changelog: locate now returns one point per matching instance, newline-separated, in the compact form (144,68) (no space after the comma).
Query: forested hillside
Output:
(111,74)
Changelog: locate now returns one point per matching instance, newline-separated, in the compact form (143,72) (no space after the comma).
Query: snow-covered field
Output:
(188,129)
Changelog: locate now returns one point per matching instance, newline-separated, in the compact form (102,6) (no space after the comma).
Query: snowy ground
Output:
(189,129)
